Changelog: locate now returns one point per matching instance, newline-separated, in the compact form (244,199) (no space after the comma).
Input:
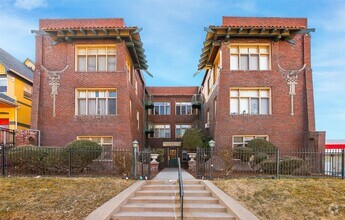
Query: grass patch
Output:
(55,198)
(289,198)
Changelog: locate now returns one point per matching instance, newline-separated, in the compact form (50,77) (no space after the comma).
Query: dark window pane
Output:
(112,106)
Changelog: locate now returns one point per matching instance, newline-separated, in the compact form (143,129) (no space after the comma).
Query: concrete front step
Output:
(173,193)
(170,199)
(175,187)
(173,207)
(171,215)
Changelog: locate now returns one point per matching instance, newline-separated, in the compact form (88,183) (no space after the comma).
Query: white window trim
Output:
(190,126)
(165,105)
(106,105)
(176,104)
(95,46)
(244,136)
(165,128)
(251,88)
(252,44)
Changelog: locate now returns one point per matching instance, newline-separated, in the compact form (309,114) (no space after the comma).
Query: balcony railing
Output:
(149,102)
(149,128)
(197,101)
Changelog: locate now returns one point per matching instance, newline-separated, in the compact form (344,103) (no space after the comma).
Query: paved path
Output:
(172,173)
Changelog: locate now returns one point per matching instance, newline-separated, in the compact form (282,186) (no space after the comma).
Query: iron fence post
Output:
(343,163)
(135,147)
(69,161)
(277,161)
(3,160)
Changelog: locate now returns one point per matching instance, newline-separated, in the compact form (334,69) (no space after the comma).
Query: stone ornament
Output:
(54,82)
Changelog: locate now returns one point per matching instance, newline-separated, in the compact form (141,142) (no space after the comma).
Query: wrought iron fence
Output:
(59,161)
(270,163)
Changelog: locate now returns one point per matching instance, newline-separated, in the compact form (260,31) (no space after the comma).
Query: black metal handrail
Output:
(180,184)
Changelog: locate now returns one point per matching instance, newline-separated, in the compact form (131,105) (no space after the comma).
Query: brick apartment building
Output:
(89,85)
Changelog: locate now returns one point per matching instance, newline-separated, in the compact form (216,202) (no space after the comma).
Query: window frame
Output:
(102,143)
(259,46)
(259,97)
(5,79)
(179,104)
(86,98)
(165,127)
(244,141)
(180,136)
(95,46)
(165,105)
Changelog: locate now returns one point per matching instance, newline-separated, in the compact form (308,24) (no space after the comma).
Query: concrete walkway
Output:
(172,174)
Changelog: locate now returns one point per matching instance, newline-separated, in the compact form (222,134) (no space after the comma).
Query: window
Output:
(105,142)
(96,58)
(242,141)
(3,84)
(181,129)
(138,125)
(183,108)
(249,57)
(162,131)
(161,108)
(96,102)
(250,101)
(27,91)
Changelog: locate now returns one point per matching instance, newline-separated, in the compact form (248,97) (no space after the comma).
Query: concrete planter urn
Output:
(192,156)
(154,157)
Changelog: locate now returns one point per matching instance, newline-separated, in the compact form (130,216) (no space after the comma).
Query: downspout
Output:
(16,117)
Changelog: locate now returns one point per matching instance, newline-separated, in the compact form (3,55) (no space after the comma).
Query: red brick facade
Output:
(67,125)
(283,129)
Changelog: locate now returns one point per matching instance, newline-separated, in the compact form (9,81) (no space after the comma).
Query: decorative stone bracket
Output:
(291,80)
(54,82)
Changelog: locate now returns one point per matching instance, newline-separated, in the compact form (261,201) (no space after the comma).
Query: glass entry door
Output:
(172,157)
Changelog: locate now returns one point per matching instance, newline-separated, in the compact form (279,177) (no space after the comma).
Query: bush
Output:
(160,153)
(289,164)
(123,162)
(56,161)
(304,170)
(262,146)
(83,152)
(226,157)
(242,153)
(269,166)
(259,157)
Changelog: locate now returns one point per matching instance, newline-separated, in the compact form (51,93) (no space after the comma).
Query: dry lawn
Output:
(55,198)
(289,198)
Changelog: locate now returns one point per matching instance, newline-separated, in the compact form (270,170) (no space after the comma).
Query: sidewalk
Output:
(171,174)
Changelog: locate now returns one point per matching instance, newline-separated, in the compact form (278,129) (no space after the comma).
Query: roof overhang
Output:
(7,104)
(217,34)
(130,35)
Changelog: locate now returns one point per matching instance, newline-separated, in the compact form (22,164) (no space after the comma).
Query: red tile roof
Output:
(265,22)
(173,91)
(56,24)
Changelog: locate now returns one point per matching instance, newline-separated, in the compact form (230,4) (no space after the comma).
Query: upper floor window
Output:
(105,142)
(27,91)
(161,108)
(249,57)
(3,84)
(96,58)
(250,101)
(96,102)
(181,129)
(162,131)
(242,140)
(183,108)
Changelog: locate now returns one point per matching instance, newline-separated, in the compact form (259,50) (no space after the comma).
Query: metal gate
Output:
(143,164)
(204,163)
(7,141)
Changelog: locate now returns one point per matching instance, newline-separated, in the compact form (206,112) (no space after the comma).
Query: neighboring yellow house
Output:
(15,91)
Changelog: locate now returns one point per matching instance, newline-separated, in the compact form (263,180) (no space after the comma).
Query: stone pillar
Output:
(154,166)
(192,166)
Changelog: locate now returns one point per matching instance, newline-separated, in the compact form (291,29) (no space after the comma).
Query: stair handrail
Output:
(180,183)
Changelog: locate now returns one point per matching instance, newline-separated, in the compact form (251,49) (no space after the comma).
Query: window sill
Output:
(97,72)
(250,115)
(94,116)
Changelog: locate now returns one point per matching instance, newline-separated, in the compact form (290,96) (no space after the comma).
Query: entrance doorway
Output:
(172,157)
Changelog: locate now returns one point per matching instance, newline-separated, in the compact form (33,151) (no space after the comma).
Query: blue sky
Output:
(173,35)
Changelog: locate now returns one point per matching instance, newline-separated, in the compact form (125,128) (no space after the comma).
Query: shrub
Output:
(259,157)
(262,146)
(83,152)
(27,159)
(242,153)
(160,153)
(304,170)
(56,161)
(289,164)
(123,162)
(269,166)
(226,157)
